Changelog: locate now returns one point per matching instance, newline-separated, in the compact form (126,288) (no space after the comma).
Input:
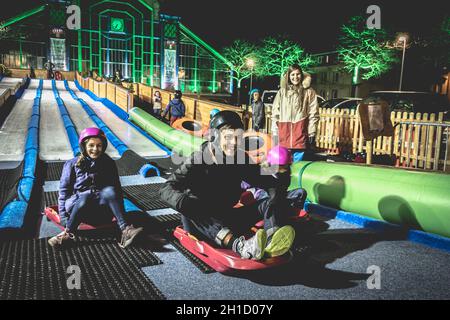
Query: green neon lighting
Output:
(196,70)
(117,25)
(135,73)
(22,16)
(214,89)
(152,51)
(202,43)
(100,65)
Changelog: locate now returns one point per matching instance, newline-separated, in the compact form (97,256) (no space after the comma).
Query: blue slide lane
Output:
(115,141)
(13,213)
(118,112)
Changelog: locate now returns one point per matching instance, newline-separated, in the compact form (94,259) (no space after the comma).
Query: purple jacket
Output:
(92,177)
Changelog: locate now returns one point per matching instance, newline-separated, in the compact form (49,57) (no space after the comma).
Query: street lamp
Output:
(250,64)
(402,38)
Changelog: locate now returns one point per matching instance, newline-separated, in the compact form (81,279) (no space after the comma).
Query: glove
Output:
(311,142)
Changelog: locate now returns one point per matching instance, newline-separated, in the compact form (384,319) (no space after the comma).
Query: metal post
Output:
(251,88)
(403,62)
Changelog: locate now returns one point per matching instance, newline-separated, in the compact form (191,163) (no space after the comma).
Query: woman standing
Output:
(295,111)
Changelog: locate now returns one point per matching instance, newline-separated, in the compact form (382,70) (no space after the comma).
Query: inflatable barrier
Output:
(412,198)
(179,141)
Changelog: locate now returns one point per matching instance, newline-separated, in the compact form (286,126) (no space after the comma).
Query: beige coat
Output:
(295,114)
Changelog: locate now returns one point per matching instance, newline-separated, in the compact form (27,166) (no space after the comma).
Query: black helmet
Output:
(178,94)
(226,117)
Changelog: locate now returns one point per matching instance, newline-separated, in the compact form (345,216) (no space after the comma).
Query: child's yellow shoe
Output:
(280,241)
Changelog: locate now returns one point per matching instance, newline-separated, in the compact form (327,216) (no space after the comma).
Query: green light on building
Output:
(117,25)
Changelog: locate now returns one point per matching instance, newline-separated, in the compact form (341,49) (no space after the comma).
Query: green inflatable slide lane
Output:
(180,142)
(416,199)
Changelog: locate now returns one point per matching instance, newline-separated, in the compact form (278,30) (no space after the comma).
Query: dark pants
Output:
(173,119)
(96,208)
(240,220)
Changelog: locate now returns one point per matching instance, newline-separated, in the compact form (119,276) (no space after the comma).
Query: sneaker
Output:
(252,248)
(280,241)
(60,238)
(128,235)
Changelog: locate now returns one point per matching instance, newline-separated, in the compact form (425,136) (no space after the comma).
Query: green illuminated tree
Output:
(278,54)
(363,51)
(239,54)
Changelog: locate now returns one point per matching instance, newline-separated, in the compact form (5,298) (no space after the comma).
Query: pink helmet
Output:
(90,133)
(279,155)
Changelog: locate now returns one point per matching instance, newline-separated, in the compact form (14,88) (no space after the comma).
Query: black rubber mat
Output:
(54,171)
(9,179)
(169,222)
(146,196)
(203,267)
(31,269)
(50,198)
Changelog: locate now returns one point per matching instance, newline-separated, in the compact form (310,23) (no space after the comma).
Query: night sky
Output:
(313,23)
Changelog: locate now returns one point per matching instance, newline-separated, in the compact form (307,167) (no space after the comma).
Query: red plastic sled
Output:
(225,260)
(52,214)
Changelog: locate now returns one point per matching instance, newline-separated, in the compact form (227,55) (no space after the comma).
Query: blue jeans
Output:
(96,208)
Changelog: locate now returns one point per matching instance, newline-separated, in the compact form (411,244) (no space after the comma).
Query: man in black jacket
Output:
(208,185)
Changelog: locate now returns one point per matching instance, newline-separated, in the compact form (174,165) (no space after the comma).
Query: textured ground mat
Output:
(54,171)
(169,222)
(146,196)
(31,269)
(130,163)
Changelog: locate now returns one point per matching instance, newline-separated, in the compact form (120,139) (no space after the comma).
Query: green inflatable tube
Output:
(417,199)
(180,142)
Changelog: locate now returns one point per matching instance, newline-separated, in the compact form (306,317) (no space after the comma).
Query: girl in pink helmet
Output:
(90,190)
(278,163)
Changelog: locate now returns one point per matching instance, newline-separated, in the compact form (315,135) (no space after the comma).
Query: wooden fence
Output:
(196,109)
(419,140)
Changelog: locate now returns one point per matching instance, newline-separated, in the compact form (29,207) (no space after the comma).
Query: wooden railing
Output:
(197,109)
(103,89)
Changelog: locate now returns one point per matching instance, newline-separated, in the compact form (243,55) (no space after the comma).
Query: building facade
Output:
(331,80)
(129,37)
